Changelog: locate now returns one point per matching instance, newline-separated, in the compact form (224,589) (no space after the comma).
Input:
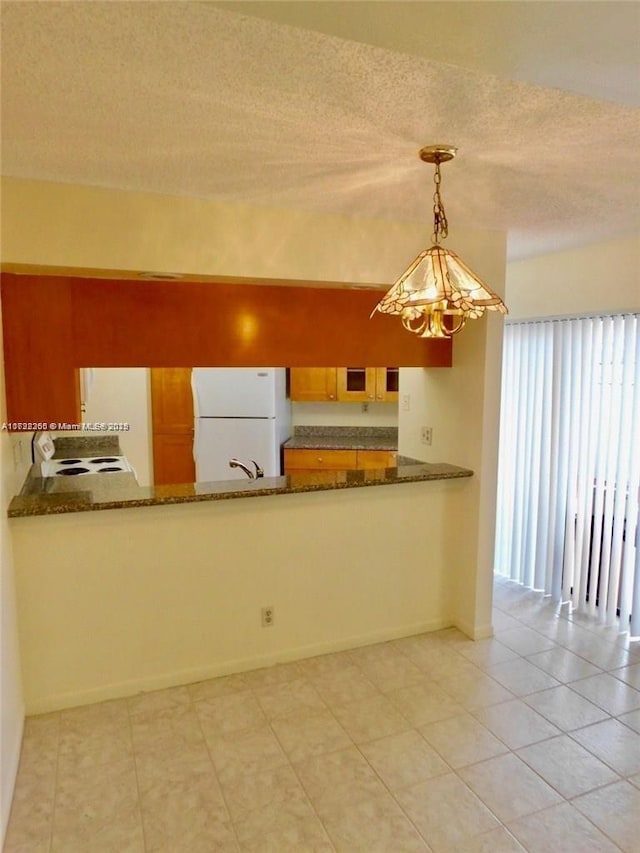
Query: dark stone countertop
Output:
(55,495)
(343,438)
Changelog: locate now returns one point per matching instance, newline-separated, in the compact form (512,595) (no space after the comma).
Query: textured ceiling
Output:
(328,113)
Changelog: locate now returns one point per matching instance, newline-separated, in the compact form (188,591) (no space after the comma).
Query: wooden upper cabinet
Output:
(357,384)
(309,384)
(42,381)
(173,459)
(171,399)
(172,425)
(387,383)
(345,384)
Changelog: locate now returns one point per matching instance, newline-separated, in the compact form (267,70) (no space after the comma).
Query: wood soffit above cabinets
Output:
(121,323)
(66,322)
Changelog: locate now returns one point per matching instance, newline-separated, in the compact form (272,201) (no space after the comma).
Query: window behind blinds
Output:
(569,469)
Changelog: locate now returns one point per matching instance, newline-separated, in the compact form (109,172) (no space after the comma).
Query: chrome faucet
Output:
(236,463)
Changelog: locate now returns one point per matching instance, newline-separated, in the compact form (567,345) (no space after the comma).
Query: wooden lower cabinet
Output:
(320,460)
(377,459)
(298,461)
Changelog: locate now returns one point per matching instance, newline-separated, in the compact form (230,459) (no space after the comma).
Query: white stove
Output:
(75,466)
(81,465)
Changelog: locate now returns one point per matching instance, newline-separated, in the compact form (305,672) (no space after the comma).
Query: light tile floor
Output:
(527,741)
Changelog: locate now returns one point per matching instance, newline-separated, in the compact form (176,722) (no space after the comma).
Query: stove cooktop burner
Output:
(85,465)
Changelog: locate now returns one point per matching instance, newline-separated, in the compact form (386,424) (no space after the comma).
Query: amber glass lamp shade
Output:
(437,293)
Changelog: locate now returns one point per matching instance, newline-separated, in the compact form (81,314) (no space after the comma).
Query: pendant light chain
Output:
(440,224)
(437,293)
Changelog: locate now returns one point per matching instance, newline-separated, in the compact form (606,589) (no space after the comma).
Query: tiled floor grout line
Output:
(569,733)
(363,756)
(135,770)
(292,764)
(566,618)
(470,711)
(437,675)
(451,769)
(514,751)
(301,783)
(55,784)
(392,794)
(215,771)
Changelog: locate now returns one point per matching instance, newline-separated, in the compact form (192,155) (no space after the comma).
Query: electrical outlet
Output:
(365,407)
(406,402)
(426,435)
(267,617)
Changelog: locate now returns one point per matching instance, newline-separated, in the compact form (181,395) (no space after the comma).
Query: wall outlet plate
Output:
(45,445)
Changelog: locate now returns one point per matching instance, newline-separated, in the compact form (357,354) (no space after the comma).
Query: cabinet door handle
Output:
(371,396)
(331,396)
(319,458)
(379,396)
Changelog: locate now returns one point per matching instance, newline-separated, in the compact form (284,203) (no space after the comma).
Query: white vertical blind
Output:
(569,469)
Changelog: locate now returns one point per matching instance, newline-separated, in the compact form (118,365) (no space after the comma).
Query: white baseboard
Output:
(145,684)
(6,794)
(482,632)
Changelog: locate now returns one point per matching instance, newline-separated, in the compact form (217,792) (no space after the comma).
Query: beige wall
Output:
(123,395)
(13,463)
(600,277)
(344,414)
(100,228)
(167,595)
(81,226)
(462,406)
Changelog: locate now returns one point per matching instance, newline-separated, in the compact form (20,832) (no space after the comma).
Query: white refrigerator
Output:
(240,413)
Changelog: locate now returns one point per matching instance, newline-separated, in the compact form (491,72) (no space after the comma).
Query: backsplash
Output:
(86,445)
(344,414)
(384,433)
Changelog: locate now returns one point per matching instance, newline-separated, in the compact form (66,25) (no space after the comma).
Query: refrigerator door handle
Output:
(194,394)
(196,439)
(196,418)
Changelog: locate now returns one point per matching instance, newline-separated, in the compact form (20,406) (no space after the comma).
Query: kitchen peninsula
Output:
(48,495)
(114,603)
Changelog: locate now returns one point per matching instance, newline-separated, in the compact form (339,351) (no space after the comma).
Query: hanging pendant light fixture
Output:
(438,292)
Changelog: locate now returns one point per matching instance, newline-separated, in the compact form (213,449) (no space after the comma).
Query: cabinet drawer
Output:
(318,460)
(376,459)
